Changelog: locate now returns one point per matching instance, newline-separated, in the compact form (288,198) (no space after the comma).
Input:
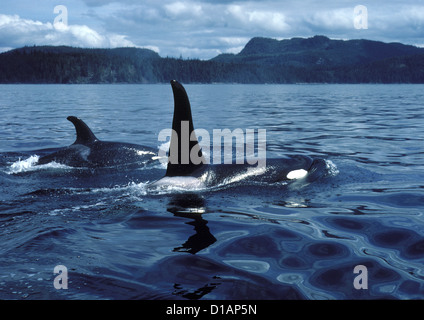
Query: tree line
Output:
(84,66)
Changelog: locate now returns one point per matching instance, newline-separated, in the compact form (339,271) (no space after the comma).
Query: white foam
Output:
(177,183)
(30,164)
(331,168)
(23,165)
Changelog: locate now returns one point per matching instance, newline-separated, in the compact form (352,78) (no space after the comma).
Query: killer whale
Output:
(198,174)
(89,151)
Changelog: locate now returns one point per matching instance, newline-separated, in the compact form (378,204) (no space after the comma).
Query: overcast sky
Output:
(203,28)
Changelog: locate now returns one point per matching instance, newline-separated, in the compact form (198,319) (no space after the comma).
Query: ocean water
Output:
(118,239)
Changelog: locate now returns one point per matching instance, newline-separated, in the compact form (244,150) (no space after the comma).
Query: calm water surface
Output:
(119,240)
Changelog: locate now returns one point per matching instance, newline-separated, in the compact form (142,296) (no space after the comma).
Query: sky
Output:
(203,29)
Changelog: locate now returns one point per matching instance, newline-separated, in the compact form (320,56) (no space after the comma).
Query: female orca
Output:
(197,174)
(88,151)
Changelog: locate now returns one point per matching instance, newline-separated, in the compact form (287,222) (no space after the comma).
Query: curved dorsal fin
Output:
(182,113)
(84,133)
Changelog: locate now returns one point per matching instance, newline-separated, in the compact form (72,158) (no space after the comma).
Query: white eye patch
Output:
(297,174)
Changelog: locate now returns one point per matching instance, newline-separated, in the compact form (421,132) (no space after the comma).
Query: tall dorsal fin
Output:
(182,113)
(84,133)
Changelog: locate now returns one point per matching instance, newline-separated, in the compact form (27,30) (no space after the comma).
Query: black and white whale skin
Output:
(201,175)
(88,151)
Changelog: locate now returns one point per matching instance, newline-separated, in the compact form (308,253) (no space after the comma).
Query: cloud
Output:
(231,44)
(257,19)
(99,3)
(334,19)
(183,10)
(17,32)
(402,18)
(204,28)
(194,29)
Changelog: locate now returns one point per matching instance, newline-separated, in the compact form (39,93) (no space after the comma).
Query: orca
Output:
(199,174)
(88,151)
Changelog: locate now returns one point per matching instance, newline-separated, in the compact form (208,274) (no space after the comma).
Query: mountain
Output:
(263,60)
(62,64)
(318,50)
(123,52)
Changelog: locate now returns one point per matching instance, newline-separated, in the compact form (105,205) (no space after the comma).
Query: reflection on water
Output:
(191,206)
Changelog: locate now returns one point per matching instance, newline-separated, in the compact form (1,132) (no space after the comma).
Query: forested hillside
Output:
(313,60)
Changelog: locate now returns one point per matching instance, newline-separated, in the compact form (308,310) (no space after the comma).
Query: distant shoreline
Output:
(316,60)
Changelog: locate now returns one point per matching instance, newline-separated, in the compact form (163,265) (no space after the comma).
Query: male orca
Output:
(88,151)
(194,174)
